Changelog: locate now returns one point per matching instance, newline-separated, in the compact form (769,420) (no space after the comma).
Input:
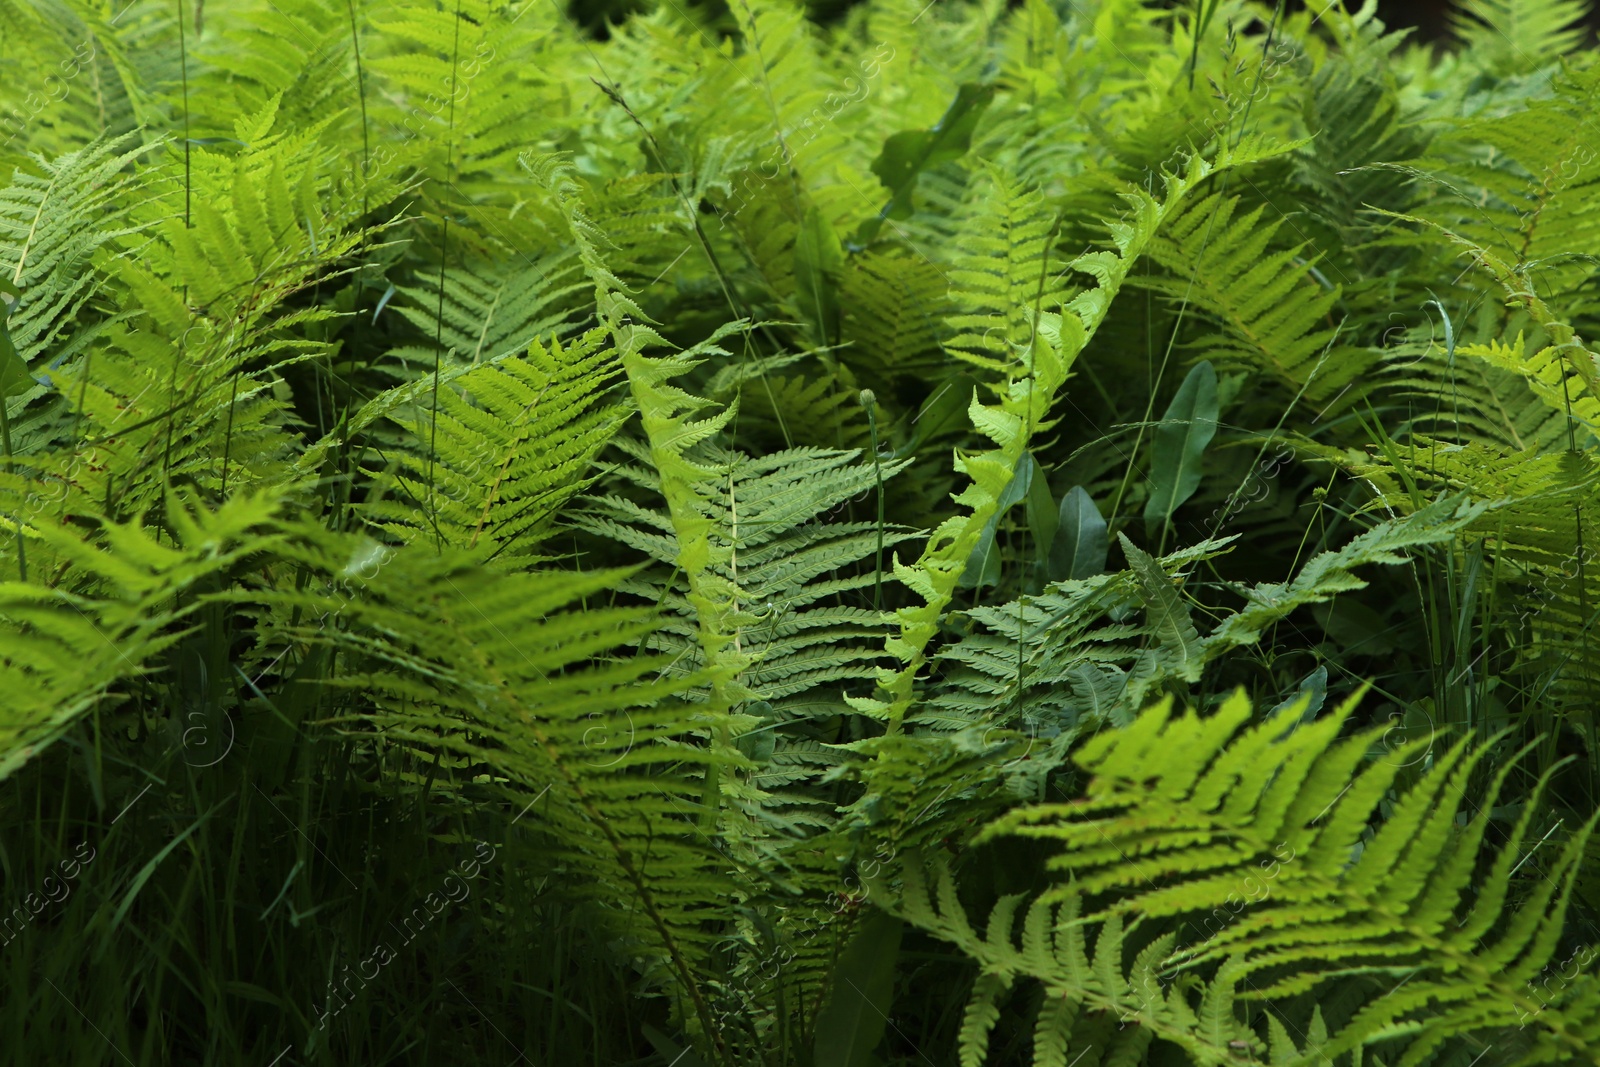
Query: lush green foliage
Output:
(521,544)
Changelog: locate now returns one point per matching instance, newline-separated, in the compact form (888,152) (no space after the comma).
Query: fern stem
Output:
(361,96)
(870,401)
(183,67)
(444,256)
(5,441)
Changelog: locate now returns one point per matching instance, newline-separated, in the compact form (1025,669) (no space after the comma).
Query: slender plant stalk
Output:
(444,256)
(361,97)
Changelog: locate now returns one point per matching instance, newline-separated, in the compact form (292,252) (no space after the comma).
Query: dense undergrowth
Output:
(693,544)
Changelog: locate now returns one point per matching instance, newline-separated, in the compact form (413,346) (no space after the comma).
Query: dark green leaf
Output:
(1080,545)
(1042,519)
(907,154)
(1313,689)
(1179,443)
(818,258)
(851,1024)
(948,405)
(14,376)
(983,566)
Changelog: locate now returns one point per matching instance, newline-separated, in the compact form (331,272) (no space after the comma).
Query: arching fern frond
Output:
(504,670)
(1519,36)
(892,307)
(1273,318)
(52,227)
(1073,657)
(182,378)
(1181,810)
(1022,410)
(1093,1000)
(122,595)
(485,313)
(1521,191)
(1004,275)
(512,441)
(793,573)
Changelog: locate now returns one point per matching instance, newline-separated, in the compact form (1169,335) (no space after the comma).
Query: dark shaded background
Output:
(1429,17)
(1432,17)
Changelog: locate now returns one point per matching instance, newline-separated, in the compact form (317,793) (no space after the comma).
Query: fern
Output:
(494,466)
(499,668)
(784,564)
(1517,36)
(119,604)
(1085,983)
(1180,834)
(1005,279)
(488,315)
(893,306)
(517,428)
(1523,190)
(55,223)
(1071,658)
(1274,318)
(1022,410)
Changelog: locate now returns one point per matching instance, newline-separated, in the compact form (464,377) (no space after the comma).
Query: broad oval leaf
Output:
(907,154)
(1081,542)
(851,1024)
(1180,441)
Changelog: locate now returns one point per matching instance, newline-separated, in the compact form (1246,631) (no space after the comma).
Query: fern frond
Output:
(1071,658)
(122,597)
(511,442)
(1520,193)
(484,314)
(504,670)
(1181,810)
(52,226)
(892,309)
(1023,409)
(1273,318)
(1518,36)
(1004,278)
(1081,976)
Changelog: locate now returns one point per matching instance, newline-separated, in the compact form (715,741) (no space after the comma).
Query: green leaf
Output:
(1313,689)
(946,407)
(1042,518)
(907,154)
(818,259)
(1080,545)
(983,566)
(14,376)
(672,1052)
(1179,442)
(1167,615)
(851,1024)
